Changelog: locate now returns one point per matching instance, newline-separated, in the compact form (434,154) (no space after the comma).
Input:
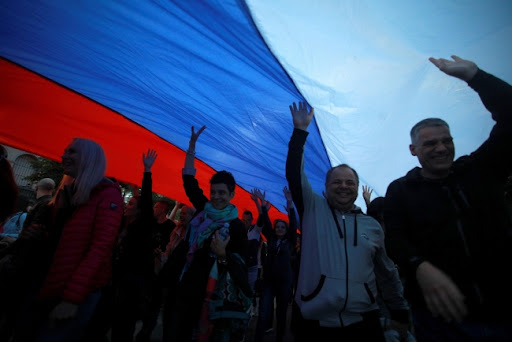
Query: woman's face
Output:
(280,229)
(220,196)
(71,160)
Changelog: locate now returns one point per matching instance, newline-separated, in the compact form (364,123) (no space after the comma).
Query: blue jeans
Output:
(429,329)
(252,273)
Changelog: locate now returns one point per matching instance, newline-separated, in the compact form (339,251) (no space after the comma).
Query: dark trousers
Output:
(369,329)
(281,291)
(132,298)
(150,318)
(429,329)
(36,326)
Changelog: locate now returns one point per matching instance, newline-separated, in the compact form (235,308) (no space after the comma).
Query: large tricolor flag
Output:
(134,75)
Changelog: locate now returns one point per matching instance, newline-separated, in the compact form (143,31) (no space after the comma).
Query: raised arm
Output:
(301,116)
(174,211)
(148,159)
(255,199)
(496,95)
(367,195)
(294,160)
(263,223)
(191,152)
(292,219)
(254,196)
(459,68)
(192,189)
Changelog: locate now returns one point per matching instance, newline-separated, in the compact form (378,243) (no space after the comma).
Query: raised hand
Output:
(301,117)
(460,68)
(287,194)
(254,197)
(259,198)
(367,194)
(261,195)
(193,138)
(148,159)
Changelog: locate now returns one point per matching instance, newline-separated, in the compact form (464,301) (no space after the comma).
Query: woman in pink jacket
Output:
(87,211)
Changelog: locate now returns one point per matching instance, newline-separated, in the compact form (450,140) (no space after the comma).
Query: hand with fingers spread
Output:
(287,194)
(460,68)
(148,159)
(301,116)
(289,201)
(367,194)
(442,296)
(261,196)
(256,199)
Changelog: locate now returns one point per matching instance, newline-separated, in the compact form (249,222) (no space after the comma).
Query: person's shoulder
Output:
(411,176)
(236,225)
(108,184)
(108,188)
(169,224)
(369,222)
(236,222)
(43,200)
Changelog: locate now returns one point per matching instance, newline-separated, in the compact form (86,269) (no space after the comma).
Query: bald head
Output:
(44,187)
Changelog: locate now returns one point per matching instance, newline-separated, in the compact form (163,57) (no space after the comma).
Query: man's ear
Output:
(412,148)
(231,195)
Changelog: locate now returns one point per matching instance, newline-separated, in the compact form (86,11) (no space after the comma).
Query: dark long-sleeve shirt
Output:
(459,223)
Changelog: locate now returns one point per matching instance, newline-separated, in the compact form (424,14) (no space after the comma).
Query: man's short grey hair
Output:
(329,173)
(430,122)
(46,184)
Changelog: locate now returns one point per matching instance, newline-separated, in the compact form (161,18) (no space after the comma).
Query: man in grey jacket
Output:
(343,260)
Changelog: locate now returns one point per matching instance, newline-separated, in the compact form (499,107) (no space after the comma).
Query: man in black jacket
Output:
(446,226)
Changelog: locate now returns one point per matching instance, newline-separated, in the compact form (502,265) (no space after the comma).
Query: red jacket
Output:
(83,259)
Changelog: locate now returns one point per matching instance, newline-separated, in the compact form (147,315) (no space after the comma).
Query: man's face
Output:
(435,151)
(341,188)
(159,209)
(220,196)
(247,220)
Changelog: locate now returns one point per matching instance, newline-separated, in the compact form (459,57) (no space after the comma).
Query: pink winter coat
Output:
(82,261)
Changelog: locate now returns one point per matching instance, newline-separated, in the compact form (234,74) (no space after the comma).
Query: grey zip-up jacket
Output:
(341,264)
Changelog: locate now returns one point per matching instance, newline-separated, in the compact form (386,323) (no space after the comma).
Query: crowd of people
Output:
(425,262)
